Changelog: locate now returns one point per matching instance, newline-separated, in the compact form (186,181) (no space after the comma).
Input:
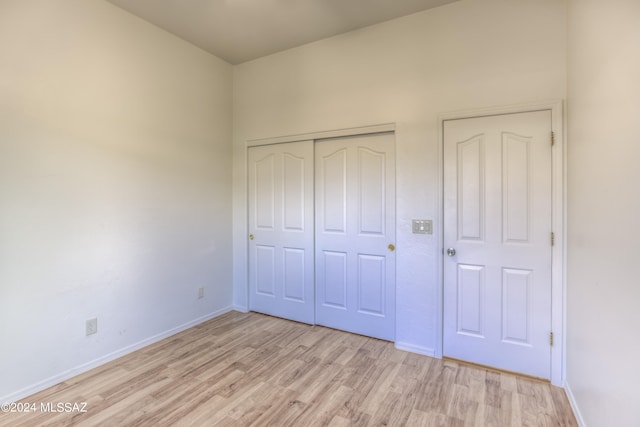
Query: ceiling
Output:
(241,30)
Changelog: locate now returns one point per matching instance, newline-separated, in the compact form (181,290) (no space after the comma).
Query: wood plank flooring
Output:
(249,369)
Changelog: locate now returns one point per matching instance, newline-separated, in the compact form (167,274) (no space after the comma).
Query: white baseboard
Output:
(574,405)
(70,373)
(415,349)
(241,308)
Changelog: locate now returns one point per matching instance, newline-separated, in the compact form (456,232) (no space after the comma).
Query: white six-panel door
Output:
(355,234)
(281,270)
(497,219)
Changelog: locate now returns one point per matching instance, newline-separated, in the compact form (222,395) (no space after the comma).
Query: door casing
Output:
(558,194)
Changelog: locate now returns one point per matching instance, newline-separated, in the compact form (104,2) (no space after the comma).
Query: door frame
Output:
(558,221)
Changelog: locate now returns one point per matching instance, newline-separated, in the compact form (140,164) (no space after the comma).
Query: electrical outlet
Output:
(200,293)
(92,326)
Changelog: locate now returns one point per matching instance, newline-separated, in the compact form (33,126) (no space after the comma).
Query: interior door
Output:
(355,234)
(497,237)
(281,271)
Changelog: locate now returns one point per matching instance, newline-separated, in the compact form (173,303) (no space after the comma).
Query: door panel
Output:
(266,270)
(264,196)
(334,183)
(516,178)
(294,192)
(333,276)
(355,223)
(497,217)
(281,272)
(371,284)
(516,305)
(471,189)
(294,274)
(371,192)
(470,304)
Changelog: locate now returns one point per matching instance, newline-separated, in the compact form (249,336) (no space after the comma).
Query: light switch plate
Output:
(422,226)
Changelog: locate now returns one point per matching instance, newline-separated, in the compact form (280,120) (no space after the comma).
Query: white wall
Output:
(115,186)
(603,345)
(469,54)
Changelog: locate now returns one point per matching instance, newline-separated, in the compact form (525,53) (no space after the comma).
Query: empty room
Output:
(319,212)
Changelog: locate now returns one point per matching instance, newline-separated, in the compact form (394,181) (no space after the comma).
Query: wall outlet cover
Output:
(92,326)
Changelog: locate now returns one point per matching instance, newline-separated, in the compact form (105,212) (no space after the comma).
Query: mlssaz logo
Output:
(80,407)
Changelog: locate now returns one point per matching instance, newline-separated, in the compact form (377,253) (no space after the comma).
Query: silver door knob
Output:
(451,252)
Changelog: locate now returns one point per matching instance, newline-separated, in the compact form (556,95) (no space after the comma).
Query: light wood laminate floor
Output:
(250,369)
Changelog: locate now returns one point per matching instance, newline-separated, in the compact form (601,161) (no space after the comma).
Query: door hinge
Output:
(553,238)
(553,138)
(551,339)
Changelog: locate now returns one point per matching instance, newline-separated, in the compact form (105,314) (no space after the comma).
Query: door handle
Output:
(451,252)
(251,236)
(391,247)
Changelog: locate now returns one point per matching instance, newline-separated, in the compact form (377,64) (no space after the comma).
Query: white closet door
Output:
(355,234)
(497,213)
(281,231)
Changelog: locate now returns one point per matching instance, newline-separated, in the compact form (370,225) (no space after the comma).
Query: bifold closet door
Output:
(355,234)
(281,271)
